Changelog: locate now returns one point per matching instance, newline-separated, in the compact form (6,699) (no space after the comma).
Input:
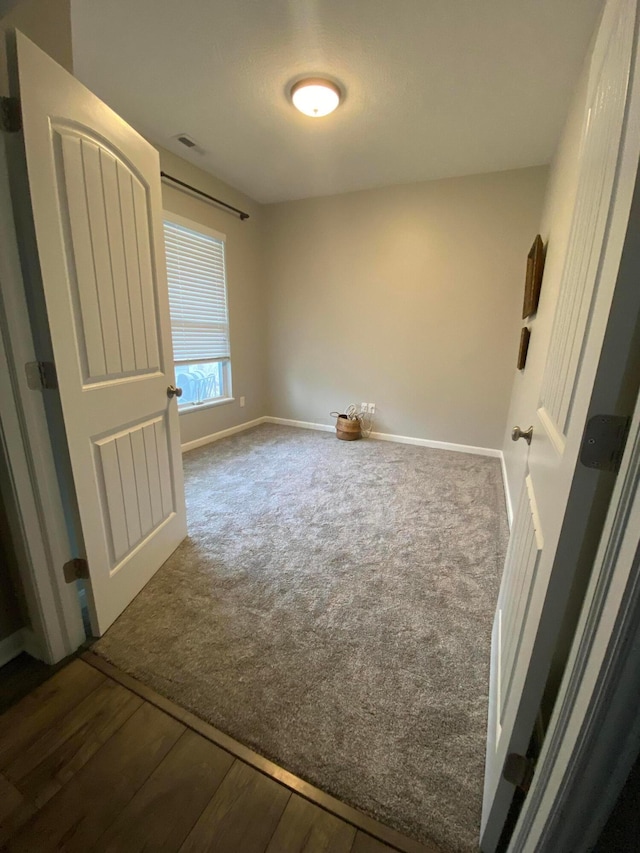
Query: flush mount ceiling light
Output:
(315,97)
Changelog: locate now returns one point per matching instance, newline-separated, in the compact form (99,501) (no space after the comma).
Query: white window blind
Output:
(197,295)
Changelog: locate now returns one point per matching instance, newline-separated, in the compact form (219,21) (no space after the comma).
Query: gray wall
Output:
(407,296)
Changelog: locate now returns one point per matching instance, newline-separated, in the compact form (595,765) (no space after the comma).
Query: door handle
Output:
(172,391)
(517,433)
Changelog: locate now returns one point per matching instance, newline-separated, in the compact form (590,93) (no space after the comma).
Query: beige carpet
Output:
(332,609)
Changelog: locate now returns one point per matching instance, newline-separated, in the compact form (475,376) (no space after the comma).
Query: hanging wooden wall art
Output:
(524,347)
(533,283)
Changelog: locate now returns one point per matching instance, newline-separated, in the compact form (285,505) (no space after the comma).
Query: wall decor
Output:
(533,282)
(525,336)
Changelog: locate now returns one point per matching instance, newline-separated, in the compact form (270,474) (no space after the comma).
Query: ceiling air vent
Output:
(188,142)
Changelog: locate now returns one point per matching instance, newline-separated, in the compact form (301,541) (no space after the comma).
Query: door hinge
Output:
(519,771)
(603,443)
(75,570)
(10,115)
(41,375)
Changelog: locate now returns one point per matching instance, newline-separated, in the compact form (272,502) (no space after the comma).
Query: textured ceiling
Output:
(434,88)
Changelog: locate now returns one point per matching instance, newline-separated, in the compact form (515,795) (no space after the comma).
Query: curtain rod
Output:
(213,199)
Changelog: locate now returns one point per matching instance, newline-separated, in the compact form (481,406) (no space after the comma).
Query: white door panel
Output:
(552,517)
(104,209)
(607,98)
(518,595)
(95,195)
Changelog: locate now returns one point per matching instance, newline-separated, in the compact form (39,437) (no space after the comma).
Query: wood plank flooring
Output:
(88,763)
(22,675)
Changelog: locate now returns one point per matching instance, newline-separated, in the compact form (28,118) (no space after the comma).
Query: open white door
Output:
(552,519)
(95,195)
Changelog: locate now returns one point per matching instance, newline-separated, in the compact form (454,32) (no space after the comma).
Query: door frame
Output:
(54,608)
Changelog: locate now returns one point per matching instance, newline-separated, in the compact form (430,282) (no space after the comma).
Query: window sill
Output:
(209,405)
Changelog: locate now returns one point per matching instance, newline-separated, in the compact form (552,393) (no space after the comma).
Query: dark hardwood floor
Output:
(91,760)
(22,675)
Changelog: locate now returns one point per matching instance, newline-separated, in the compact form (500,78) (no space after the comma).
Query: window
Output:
(199,314)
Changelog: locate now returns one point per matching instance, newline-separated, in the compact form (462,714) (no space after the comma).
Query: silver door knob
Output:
(517,433)
(172,391)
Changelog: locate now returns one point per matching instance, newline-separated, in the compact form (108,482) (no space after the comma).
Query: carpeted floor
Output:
(332,609)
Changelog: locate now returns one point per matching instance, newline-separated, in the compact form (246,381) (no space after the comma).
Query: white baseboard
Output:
(437,445)
(11,647)
(400,439)
(223,433)
(300,424)
(507,491)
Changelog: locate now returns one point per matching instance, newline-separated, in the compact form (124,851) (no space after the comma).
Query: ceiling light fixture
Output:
(315,97)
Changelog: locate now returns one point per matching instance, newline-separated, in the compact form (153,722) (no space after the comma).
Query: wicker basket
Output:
(346,429)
